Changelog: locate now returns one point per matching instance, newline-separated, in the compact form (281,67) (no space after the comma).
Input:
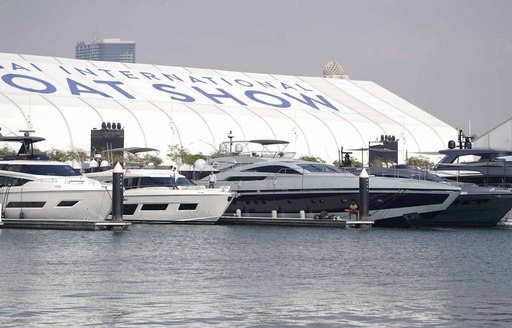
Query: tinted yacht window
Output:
(163,182)
(47,169)
(273,169)
(181,181)
(154,182)
(501,156)
(314,167)
(13,182)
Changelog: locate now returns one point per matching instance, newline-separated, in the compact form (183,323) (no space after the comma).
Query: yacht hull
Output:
(165,205)
(43,201)
(471,210)
(477,206)
(289,188)
(387,207)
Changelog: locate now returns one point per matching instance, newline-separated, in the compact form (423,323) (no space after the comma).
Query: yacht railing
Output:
(256,148)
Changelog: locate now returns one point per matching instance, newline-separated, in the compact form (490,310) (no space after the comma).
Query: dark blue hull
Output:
(335,202)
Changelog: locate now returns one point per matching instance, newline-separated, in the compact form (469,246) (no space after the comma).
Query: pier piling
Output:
(117,196)
(364,195)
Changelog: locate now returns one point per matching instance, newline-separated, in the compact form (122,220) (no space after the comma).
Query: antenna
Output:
(27,132)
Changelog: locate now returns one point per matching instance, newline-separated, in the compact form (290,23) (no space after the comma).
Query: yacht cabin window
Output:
(468,159)
(142,182)
(44,169)
(12,182)
(482,158)
(318,167)
(273,169)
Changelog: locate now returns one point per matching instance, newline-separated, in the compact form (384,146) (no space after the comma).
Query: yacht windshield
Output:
(321,168)
(41,169)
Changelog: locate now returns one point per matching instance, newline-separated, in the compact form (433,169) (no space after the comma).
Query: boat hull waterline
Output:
(165,205)
(38,200)
(387,206)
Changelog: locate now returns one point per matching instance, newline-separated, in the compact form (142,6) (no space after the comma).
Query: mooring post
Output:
(117,193)
(364,195)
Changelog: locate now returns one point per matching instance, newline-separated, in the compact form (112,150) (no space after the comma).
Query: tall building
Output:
(115,50)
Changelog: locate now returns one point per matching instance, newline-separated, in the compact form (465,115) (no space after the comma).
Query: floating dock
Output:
(64,224)
(296,222)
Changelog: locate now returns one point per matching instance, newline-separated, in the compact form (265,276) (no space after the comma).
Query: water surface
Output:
(256,276)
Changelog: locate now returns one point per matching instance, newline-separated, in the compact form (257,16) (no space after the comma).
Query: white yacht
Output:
(149,197)
(267,181)
(32,187)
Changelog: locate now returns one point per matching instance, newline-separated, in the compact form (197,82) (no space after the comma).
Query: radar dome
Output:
(200,164)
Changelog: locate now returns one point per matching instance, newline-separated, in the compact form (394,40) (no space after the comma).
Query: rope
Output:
(5,196)
(102,200)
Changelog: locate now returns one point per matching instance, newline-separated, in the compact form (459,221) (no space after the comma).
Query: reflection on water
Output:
(198,276)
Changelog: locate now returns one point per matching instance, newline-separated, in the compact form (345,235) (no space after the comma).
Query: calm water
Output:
(249,276)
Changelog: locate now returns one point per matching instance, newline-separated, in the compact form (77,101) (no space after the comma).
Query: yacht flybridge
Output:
(33,187)
(482,166)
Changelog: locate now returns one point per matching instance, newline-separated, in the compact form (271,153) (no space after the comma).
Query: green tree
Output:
(311,158)
(356,162)
(7,151)
(381,162)
(181,155)
(420,162)
(152,159)
(58,155)
(143,159)
(216,154)
(78,155)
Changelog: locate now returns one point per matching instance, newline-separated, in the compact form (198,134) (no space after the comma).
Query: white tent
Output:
(498,137)
(158,106)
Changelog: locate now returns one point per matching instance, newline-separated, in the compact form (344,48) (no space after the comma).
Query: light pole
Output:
(230,137)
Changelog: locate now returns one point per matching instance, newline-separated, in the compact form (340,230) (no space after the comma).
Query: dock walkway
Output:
(64,224)
(246,220)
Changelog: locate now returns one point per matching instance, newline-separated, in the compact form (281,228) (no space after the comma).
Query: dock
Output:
(64,224)
(294,222)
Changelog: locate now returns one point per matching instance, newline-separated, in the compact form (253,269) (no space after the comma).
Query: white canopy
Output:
(159,106)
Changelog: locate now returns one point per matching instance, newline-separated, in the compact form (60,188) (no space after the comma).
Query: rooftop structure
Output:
(334,70)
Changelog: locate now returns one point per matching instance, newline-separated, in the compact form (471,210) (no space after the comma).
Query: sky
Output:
(451,58)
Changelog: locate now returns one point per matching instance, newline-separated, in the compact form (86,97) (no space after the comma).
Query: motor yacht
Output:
(150,197)
(271,181)
(482,166)
(33,187)
(476,206)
